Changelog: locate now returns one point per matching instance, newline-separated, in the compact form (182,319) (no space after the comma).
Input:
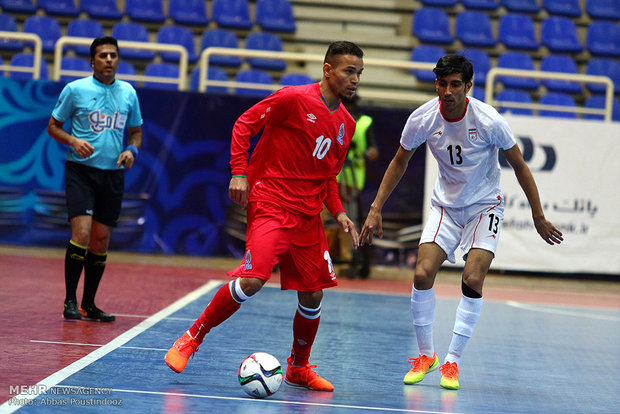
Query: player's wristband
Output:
(133,150)
(239,175)
(339,213)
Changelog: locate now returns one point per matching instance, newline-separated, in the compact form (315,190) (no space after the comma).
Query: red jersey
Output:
(301,150)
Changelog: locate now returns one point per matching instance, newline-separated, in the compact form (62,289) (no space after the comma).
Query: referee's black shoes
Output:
(71,310)
(93,313)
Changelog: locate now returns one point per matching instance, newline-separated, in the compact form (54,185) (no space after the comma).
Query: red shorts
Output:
(297,242)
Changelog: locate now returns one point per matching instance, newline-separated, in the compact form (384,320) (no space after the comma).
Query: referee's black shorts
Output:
(94,192)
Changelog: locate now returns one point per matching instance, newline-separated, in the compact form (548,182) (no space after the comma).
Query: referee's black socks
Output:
(74,262)
(94,265)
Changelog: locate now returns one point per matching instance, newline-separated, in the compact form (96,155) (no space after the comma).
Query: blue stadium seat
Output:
(564,64)
(559,34)
(221,38)
(603,9)
(514,95)
(521,6)
(190,12)
(253,76)
(603,39)
(480,61)
(480,4)
(84,28)
(161,69)
(177,35)
(233,14)
(151,11)
(567,8)
(46,27)
(516,60)
(101,9)
(8,24)
(276,15)
(478,93)
(18,6)
(426,53)
(126,68)
(517,31)
(439,3)
(598,102)
(557,98)
(135,32)
(264,41)
(58,7)
(294,79)
(431,25)
(212,74)
(27,59)
(74,63)
(473,29)
(603,66)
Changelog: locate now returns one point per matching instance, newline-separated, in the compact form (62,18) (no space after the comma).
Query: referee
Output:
(99,108)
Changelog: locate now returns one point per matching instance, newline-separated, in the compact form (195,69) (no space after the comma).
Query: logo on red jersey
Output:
(248,260)
(341,134)
(311,118)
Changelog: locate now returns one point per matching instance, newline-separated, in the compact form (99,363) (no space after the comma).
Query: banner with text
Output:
(576,167)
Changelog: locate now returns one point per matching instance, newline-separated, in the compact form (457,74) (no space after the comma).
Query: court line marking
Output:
(61,375)
(268,401)
(541,308)
(38,341)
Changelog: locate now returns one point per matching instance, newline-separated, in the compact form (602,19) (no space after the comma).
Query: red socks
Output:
(305,326)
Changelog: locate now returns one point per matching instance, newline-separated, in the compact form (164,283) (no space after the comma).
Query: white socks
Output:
(423,310)
(467,315)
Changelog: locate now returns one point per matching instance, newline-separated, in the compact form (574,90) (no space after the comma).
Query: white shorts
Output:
(476,226)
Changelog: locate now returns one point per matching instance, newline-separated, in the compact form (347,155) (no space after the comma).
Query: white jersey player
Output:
(467,210)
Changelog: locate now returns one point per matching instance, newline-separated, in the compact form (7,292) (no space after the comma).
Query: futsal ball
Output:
(260,375)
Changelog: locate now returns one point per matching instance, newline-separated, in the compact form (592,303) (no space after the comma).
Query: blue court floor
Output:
(521,359)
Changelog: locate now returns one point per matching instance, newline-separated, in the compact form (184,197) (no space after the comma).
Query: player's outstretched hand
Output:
(548,231)
(348,226)
(374,222)
(238,190)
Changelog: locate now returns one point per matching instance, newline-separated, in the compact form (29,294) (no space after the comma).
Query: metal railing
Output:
(65,41)
(495,72)
(35,69)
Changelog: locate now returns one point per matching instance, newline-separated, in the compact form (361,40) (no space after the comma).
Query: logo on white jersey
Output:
(311,118)
(437,133)
(473,135)
(341,134)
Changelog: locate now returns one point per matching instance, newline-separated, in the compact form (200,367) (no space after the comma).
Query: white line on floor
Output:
(546,309)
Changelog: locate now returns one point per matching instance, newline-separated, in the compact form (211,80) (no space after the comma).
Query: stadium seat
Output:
(557,98)
(481,63)
(426,53)
(516,60)
(18,6)
(135,32)
(564,64)
(74,63)
(480,4)
(431,25)
(603,66)
(603,9)
(294,79)
(264,41)
(473,29)
(177,35)
(521,6)
(567,8)
(8,24)
(161,69)
(513,95)
(559,35)
(253,76)
(212,74)
(126,68)
(478,93)
(598,102)
(84,28)
(190,12)
(276,15)
(233,14)
(101,9)
(221,38)
(517,31)
(58,7)
(46,27)
(27,59)
(151,11)
(439,3)
(603,39)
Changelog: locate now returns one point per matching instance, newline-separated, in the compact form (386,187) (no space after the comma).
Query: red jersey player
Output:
(291,174)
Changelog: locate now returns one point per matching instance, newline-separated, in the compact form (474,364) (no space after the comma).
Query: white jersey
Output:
(466,150)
